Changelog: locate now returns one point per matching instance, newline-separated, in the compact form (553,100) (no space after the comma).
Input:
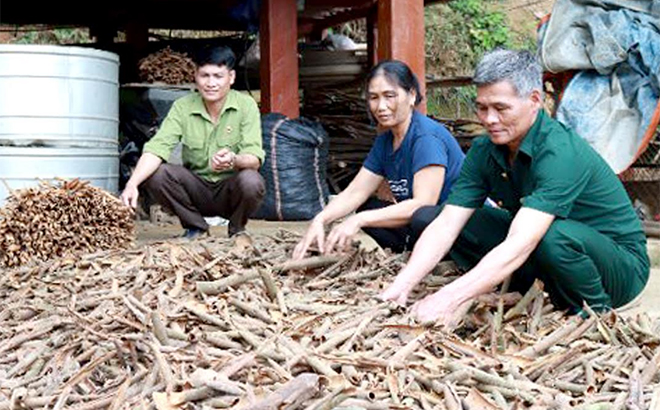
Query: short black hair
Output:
(218,55)
(400,74)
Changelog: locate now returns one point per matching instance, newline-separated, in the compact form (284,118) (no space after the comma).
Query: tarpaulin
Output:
(614,45)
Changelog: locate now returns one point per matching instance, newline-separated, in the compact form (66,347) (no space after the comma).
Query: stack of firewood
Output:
(167,66)
(214,323)
(50,221)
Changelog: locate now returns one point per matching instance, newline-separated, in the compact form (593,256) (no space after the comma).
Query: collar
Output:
(528,143)
(409,133)
(501,152)
(199,108)
(414,120)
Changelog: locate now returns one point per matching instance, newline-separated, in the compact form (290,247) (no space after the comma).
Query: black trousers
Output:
(397,239)
(191,197)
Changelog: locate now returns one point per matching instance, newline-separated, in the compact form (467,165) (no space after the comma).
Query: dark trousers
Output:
(191,197)
(396,239)
(575,262)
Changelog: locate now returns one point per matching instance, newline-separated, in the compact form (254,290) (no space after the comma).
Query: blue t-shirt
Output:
(427,142)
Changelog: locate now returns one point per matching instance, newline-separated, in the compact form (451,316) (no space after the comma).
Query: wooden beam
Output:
(448,82)
(279,57)
(310,25)
(330,4)
(432,2)
(401,35)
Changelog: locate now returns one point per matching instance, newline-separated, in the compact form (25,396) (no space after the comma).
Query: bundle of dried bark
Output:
(217,324)
(167,66)
(50,221)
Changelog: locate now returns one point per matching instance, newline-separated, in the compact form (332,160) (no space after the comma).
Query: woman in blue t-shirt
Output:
(417,157)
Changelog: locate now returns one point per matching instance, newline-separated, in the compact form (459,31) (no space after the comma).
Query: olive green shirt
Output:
(238,128)
(556,172)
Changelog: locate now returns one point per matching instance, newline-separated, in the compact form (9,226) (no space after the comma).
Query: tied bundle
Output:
(168,67)
(50,221)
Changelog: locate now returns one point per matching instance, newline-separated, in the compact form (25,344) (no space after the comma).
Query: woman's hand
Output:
(397,292)
(341,235)
(315,233)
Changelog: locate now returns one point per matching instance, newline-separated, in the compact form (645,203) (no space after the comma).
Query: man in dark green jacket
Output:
(563,216)
(220,131)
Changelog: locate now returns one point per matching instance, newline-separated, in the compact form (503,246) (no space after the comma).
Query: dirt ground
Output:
(648,302)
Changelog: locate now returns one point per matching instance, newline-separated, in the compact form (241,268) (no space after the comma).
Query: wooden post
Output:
(137,38)
(279,57)
(105,35)
(372,36)
(401,35)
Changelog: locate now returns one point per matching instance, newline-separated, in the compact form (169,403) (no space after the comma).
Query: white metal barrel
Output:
(58,103)
(25,166)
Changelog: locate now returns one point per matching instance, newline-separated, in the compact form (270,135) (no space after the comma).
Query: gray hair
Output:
(519,67)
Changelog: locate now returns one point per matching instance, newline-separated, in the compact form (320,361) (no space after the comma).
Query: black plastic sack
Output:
(294,169)
(142,109)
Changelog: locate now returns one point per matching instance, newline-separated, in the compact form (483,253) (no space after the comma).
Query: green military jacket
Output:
(556,172)
(238,128)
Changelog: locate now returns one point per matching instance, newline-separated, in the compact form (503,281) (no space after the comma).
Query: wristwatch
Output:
(232,163)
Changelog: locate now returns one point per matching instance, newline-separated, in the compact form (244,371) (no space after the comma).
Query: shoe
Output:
(192,233)
(233,230)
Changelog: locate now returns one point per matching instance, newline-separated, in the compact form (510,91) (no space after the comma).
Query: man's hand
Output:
(441,309)
(223,160)
(341,235)
(130,196)
(315,233)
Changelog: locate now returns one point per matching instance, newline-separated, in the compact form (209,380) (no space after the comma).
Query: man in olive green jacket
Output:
(563,216)
(220,132)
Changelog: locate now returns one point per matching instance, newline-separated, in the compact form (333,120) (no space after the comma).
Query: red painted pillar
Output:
(279,57)
(401,35)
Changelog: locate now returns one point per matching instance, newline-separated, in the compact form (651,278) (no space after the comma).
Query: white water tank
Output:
(59,115)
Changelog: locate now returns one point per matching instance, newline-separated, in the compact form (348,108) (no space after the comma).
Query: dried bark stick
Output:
(307,263)
(550,340)
(298,390)
(219,286)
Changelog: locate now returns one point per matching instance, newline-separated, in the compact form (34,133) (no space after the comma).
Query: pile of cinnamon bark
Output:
(221,323)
